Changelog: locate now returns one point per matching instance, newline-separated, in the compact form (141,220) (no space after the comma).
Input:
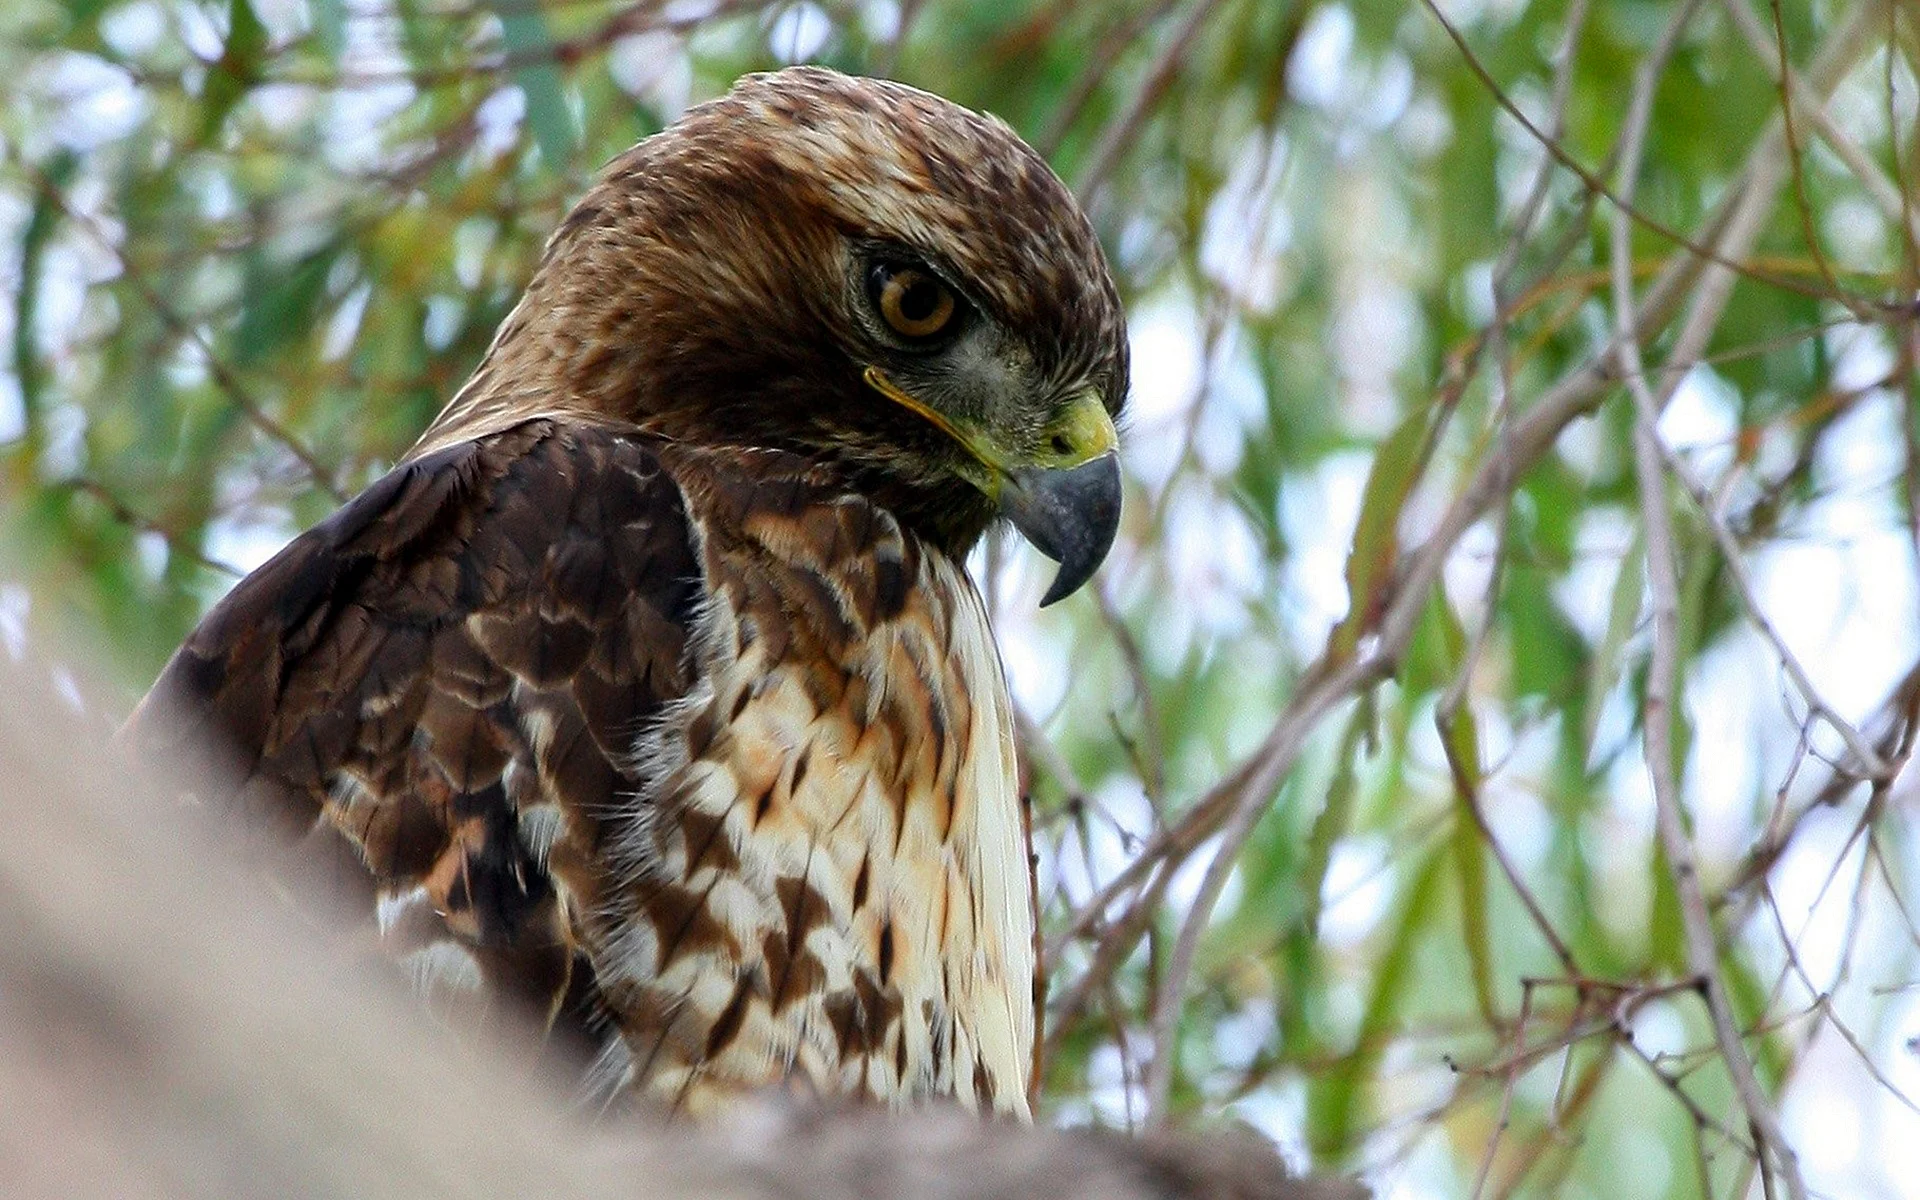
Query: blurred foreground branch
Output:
(177,1036)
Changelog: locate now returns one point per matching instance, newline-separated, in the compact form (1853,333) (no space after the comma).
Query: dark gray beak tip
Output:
(1069,515)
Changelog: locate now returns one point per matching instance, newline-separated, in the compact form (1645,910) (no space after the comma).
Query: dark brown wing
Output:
(437,690)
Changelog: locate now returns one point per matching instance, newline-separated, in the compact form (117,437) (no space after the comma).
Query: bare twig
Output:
(1702,946)
(1869,763)
(1888,195)
(1514,1064)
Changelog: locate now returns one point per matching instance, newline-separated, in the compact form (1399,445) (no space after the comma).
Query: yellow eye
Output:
(913,302)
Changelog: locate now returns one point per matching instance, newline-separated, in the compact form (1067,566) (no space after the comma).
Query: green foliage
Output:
(250,248)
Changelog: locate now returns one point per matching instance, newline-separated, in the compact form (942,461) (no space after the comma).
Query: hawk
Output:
(649,693)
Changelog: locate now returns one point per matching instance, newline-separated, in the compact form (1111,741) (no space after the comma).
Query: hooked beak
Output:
(1070,514)
(1065,498)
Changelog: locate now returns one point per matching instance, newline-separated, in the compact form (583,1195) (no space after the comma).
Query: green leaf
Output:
(1375,553)
(1666,933)
(1608,661)
(1460,735)
(282,306)
(237,68)
(1332,823)
(29,370)
(530,43)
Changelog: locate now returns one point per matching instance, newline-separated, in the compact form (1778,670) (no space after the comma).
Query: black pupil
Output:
(920,299)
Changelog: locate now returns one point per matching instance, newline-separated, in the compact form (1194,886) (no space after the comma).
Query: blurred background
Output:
(1479,765)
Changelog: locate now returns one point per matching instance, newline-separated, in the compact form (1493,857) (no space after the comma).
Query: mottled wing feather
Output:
(435,694)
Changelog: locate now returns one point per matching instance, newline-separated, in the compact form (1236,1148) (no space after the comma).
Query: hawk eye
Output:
(912,300)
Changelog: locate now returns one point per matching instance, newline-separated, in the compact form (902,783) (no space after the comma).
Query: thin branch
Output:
(1099,63)
(1888,195)
(1783,78)
(1898,719)
(1823,998)
(1871,765)
(1514,1065)
(1463,782)
(1153,770)
(1702,945)
(127,515)
(1703,251)
(1121,131)
(223,377)
(1109,950)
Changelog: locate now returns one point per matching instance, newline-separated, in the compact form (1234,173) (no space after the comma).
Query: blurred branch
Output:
(1494,343)
(182,1032)
(1702,944)
(647,16)
(1702,280)
(1111,945)
(126,515)
(1700,250)
(1152,753)
(1099,64)
(223,376)
(1506,1092)
(1783,81)
(1887,195)
(1121,131)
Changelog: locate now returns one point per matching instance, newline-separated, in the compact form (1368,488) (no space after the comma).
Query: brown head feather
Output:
(710,286)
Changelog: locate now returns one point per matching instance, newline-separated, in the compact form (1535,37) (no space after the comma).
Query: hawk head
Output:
(854,270)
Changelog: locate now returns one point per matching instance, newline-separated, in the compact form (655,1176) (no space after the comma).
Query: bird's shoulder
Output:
(433,694)
(523,541)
